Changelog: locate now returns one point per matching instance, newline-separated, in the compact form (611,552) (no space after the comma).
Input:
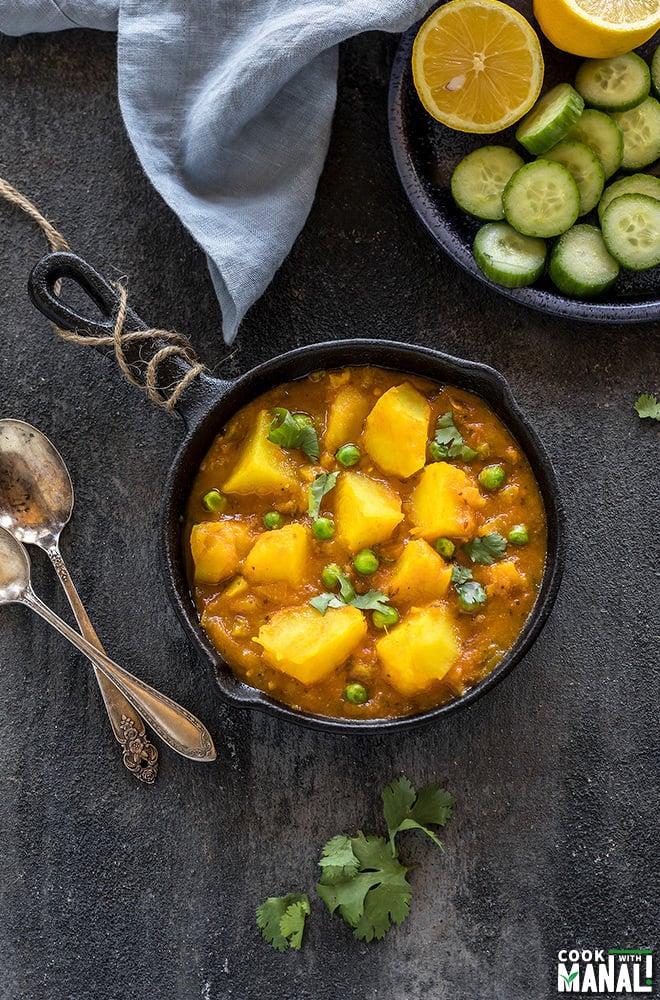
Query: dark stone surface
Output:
(113,889)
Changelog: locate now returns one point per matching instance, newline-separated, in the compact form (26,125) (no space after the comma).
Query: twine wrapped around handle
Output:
(175,345)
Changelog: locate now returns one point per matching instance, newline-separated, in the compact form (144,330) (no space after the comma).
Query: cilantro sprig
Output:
(373,600)
(282,920)
(448,441)
(290,430)
(362,878)
(648,406)
(486,549)
(317,489)
(406,809)
(471,595)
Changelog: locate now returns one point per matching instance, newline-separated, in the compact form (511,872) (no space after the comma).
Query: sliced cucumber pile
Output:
(581,136)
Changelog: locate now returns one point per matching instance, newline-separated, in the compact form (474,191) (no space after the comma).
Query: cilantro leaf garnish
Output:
(406,809)
(377,895)
(648,406)
(325,601)
(282,920)
(460,574)
(487,549)
(291,432)
(323,483)
(373,600)
(472,595)
(448,441)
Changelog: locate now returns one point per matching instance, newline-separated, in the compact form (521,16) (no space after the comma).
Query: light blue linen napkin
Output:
(229,105)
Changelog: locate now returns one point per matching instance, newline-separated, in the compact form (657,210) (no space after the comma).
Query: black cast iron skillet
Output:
(207,403)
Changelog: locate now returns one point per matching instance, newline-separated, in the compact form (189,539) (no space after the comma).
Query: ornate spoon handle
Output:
(173,723)
(139,754)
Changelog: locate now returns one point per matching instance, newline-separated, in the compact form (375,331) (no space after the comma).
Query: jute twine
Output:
(175,344)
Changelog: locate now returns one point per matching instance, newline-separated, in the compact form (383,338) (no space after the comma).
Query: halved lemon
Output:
(477,65)
(597,29)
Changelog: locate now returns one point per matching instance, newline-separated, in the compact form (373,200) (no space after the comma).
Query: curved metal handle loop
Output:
(42,290)
(160,361)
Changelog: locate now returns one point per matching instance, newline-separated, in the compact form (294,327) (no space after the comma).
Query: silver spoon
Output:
(174,724)
(36,502)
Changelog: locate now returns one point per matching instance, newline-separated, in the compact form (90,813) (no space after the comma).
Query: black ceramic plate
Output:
(426,153)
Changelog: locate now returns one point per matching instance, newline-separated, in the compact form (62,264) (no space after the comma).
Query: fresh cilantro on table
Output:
(290,430)
(648,406)
(373,600)
(376,895)
(406,809)
(323,483)
(487,549)
(448,441)
(362,878)
(282,920)
(337,860)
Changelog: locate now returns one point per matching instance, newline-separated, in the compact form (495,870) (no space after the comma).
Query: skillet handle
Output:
(174,367)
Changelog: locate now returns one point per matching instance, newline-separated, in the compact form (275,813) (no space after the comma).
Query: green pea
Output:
(330,575)
(273,520)
(386,618)
(348,454)
(214,501)
(356,694)
(366,562)
(323,528)
(438,452)
(519,534)
(471,596)
(492,477)
(445,547)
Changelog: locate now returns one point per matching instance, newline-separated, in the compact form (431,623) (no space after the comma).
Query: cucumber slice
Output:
(585,169)
(479,179)
(631,230)
(550,119)
(655,71)
(507,257)
(580,263)
(541,199)
(615,84)
(641,134)
(633,184)
(602,134)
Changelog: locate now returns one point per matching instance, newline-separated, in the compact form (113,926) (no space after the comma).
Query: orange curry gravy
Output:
(232,615)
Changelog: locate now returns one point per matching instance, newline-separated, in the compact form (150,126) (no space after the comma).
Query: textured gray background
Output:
(111,889)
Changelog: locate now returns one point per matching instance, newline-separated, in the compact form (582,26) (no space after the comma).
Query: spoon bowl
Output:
(14,569)
(36,493)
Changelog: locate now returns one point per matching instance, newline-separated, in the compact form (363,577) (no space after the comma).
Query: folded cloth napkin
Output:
(229,106)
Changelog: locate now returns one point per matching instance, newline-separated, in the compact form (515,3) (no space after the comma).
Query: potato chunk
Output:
(420,574)
(503,578)
(444,503)
(420,650)
(366,511)
(396,431)
(346,417)
(262,467)
(279,556)
(217,549)
(309,646)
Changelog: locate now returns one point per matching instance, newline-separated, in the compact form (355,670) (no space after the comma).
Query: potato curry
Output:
(363,543)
